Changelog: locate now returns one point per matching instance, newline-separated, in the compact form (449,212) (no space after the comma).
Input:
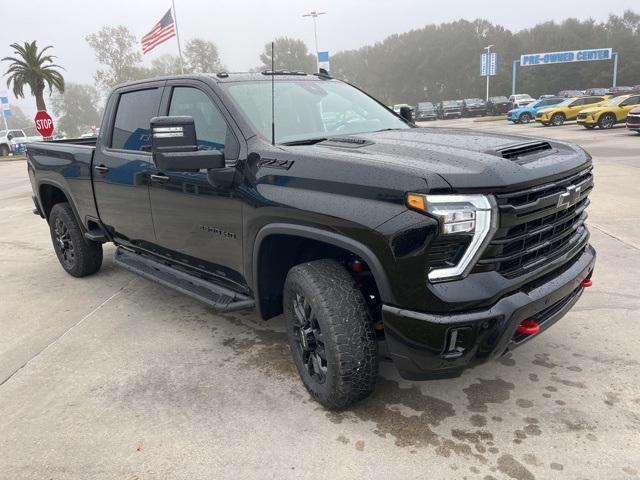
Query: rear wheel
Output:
(607,121)
(557,119)
(525,118)
(77,255)
(331,338)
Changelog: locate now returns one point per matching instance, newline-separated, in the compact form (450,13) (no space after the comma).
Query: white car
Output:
(520,100)
(12,141)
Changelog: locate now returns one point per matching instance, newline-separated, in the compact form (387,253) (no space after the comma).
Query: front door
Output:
(626,106)
(122,163)
(197,223)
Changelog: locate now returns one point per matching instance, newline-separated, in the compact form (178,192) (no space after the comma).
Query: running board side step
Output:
(218,297)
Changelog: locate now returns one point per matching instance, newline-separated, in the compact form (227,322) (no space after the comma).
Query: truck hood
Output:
(465,159)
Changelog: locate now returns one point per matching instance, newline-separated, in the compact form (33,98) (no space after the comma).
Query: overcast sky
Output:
(240,28)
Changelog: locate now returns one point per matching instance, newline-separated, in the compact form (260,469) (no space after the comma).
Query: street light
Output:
(488,67)
(315,15)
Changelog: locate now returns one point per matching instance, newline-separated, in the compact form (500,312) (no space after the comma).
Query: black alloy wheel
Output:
(310,341)
(63,244)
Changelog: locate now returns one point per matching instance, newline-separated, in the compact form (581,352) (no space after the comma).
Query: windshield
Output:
(311,109)
(499,99)
(425,105)
(473,100)
(522,96)
(450,103)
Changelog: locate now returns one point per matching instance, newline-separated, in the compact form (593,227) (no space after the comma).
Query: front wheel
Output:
(77,255)
(525,118)
(607,121)
(4,151)
(332,341)
(557,119)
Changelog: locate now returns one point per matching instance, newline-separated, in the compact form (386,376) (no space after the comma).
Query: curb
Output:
(12,159)
(490,119)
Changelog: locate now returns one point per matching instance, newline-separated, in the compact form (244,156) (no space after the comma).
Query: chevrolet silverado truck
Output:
(301,195)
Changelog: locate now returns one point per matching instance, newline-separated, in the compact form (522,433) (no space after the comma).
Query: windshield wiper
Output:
(306,141)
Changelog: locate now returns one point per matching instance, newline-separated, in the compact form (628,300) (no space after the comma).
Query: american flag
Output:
(161,32)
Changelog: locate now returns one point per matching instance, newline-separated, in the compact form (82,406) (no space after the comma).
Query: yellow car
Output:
(609,113)
(567,110)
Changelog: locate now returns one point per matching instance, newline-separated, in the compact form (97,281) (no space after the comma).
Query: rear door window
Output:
(133,118)
(590,100)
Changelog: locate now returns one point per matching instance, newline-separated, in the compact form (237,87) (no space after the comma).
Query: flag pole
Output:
(6,127)
(175,19)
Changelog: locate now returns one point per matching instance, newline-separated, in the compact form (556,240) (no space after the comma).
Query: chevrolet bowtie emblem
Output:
(569,197)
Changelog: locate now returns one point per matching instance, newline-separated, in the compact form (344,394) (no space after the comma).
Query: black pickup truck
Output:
(301,195)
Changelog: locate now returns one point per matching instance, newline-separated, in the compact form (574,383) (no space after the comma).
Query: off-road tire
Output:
(525,118)
(77,255)
(557,119)
(606,121)
(348,340)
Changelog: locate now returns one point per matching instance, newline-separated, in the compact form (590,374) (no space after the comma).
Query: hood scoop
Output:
(525,152)
(347,142)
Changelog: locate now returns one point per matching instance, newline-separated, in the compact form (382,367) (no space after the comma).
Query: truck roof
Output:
(227,77)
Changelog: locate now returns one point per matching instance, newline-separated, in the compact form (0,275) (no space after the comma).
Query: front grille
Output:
(536,228)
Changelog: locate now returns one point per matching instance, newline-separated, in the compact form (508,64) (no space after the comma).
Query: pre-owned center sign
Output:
(549,58)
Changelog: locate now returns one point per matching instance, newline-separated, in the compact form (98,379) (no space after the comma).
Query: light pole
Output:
(315,15)
(488,68)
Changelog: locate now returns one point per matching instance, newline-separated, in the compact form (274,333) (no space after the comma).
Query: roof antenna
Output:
(273,97)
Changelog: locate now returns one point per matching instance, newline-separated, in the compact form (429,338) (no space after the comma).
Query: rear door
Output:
(122,162)
(199,224)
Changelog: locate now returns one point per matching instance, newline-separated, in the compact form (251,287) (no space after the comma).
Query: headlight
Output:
(472,215)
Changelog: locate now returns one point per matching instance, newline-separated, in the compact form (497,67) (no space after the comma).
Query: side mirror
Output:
(175,147)
(10,136)
(405,112)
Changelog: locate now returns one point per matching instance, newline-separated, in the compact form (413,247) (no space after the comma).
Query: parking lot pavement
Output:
(112,376)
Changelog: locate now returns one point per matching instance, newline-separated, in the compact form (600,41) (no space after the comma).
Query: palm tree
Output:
(35,69)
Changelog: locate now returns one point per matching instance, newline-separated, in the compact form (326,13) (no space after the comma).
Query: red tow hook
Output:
(528,327)
(586,283)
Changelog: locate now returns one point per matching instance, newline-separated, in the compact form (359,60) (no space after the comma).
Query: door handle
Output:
(101,168)
(160,178)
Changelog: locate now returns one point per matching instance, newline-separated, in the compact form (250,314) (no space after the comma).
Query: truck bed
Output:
(65,165)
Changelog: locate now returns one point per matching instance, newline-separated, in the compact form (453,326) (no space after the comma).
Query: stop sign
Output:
(44,123)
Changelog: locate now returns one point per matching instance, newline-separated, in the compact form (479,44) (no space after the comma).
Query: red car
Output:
(633,120)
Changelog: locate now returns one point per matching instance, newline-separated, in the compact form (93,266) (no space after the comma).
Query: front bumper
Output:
(634,124)
(588,120)
(425,116)
(423,346)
